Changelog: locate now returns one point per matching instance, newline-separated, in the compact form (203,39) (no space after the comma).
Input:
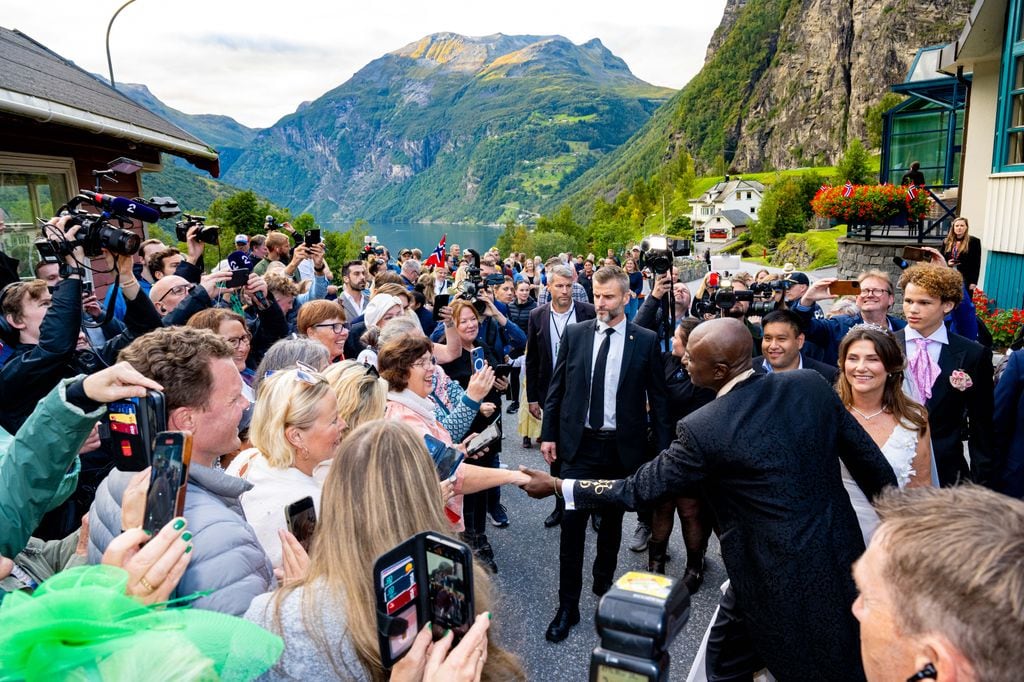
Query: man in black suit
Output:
(953,378)
(607,372)
(782,347)
(766,453)
(544,335)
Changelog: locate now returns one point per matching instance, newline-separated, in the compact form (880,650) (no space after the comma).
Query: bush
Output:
(855,166)
(1002,323)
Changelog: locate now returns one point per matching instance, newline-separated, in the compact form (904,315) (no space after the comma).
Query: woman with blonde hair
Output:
(328,618)
(295,432)
(362,394)
(963,252)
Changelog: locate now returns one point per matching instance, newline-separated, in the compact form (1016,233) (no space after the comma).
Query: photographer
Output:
(653,311)
(177,299)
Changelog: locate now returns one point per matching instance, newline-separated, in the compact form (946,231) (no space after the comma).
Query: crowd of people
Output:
(800,438)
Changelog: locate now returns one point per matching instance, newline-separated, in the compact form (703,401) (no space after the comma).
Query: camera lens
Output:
(116,240)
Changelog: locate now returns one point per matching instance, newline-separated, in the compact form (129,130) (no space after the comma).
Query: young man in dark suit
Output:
(607,372)
(782,347)
(544,335)
(950,375)
(764,451)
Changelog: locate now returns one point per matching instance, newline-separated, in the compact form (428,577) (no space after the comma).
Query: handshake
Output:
(539,484)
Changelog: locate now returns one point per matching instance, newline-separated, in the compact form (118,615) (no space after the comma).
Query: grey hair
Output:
(397,326)
(559,271)
(412,265)
(286,352)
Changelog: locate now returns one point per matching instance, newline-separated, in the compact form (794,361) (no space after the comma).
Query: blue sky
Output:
(258,60)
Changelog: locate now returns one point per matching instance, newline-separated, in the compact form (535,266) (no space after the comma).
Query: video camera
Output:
(97,233)
(724,298)
(371,247)
(475,283)
(658,252)
(208,234)
(637,620)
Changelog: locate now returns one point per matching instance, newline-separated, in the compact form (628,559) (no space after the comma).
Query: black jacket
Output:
(539,362)
(969,264)
(767,456)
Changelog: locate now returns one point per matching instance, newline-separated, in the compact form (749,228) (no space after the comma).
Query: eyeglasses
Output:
(177,291)
(371,371)
(336,327)
(425,364)
(238,341)
(875,292)
(303,373)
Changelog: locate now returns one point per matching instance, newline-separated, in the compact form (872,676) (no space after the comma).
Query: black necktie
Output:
(597,382)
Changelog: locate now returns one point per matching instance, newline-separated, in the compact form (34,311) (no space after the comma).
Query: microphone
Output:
(900,262)
(126,208)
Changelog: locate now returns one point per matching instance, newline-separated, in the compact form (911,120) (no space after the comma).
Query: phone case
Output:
(403,590)
(132,426)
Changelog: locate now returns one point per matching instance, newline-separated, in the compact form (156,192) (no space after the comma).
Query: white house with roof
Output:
(732,194)
(991,49)
(725,225)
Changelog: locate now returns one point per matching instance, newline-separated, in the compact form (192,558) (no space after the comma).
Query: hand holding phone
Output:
(301,519)
(131,426)
(312,237)
(165,498)
(446,459)
(239,278)
(440,301)
(844,287)
(915,253)
(478,359)
(485,438)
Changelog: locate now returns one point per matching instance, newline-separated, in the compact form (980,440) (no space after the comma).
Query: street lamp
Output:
(110,64)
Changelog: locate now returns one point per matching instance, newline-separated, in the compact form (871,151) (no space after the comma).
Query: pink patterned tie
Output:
(924,370)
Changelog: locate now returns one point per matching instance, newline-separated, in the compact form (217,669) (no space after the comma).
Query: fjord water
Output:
(425,236)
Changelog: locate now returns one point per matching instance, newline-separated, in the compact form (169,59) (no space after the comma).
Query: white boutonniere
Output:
(960,380)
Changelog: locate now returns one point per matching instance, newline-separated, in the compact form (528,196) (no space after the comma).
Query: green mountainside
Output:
(451,129)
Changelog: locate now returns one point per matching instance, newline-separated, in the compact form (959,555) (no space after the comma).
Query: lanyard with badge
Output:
(559,332)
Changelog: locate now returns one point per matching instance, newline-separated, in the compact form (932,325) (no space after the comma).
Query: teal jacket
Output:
(39,465)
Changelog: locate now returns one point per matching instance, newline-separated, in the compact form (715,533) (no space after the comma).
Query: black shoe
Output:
(553,519)
(513,408)
(595,522)
(526,443)
(566,617)
(641,536)
(693,579)
(499,516)
(601,586)
(483,547)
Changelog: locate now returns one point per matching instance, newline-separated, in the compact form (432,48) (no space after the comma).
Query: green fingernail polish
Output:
(186,536)
(179,524)
(147,532)
(447,631)
(490,615)
(188,549)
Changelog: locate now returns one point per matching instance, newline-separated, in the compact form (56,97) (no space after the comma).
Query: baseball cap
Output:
(798,278)
(241,239)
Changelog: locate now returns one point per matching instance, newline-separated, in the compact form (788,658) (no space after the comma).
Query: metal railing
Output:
(930,229)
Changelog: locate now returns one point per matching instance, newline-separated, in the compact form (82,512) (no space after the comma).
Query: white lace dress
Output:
(899,451)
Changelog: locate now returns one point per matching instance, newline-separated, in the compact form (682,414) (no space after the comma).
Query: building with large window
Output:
(59,123)
(732,194)
(991,50)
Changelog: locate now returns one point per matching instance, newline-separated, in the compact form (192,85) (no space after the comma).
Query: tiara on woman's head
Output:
(870,326)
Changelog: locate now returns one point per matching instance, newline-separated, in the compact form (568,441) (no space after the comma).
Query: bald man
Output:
(766,452)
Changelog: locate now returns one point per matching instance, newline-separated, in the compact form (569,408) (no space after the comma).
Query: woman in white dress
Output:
(870,384)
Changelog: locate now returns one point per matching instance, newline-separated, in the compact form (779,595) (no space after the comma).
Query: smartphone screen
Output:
(239,278)
(449,586)
(313,237)
(398,585)
(301,518)
(446,459)
(440,301)
(844,287)
(165,498)
(484,438)
(478,360)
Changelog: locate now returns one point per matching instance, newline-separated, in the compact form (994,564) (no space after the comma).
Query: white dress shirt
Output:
(613,369)
(557,322)
(938,338)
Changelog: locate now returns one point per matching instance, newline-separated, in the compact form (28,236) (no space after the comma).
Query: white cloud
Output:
(258,60)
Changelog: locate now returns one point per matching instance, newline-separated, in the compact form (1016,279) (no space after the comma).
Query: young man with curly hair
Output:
(948,374)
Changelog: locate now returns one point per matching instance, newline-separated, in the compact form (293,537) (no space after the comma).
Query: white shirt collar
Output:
(735,380)
(940,335)
(619,328)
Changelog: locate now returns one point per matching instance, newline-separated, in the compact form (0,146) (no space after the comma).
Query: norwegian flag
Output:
(824,188)
(848,189)
(911,192)
(437,258)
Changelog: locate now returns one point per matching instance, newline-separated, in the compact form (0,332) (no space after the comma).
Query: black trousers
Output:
(596,458)
(731,656)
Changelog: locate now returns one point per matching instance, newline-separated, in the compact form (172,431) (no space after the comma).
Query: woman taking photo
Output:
(295,432)
(327,617)
(324,322)
(963,252)
(870,384)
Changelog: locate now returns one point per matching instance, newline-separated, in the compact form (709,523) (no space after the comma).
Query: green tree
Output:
(855,164)
(548,244)
(873,117)
(561,221)
(341,247)
(515,237)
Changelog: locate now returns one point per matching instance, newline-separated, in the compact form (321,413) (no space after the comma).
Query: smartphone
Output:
(301,519)
(844,287)
(239,278)
(483,439)
(440,301)
(398,601)
(313,237)
(446,458)
(478,360)
(87,289)
(131,425)
(165,498)
(449,585)
(916,253)
(502,370)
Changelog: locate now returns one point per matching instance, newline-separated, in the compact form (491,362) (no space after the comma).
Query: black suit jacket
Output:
(767,457)
(948,407)
(828,371)
(539,362)
(641,383)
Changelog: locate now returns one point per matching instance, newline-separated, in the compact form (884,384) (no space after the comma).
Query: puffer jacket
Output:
(228,559)
(39,465)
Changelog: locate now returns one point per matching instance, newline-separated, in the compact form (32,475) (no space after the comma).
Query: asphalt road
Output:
(527,556)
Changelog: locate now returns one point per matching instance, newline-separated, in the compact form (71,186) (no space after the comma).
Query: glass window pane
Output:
(24,199)
(1017,112)
(1015,148)
(1018,70)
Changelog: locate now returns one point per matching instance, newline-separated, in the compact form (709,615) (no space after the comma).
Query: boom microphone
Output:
(126,208)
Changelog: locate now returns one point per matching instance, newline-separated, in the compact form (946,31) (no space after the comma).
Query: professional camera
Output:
(270,222)
(97,233)
(725,298)
(637,620)
(207,233)
(658,252)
